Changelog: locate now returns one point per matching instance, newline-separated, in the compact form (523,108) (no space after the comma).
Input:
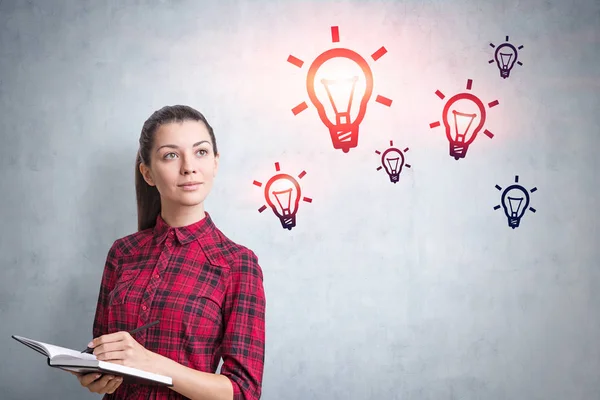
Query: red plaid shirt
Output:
(206,291)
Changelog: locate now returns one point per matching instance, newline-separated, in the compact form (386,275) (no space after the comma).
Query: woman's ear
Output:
(147,174)
(216,168)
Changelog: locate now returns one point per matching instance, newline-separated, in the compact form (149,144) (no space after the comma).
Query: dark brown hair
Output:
(148,198)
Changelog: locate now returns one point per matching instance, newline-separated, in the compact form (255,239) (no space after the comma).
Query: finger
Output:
(113,356)
(109,338)
(108,386)
(112,346)
(86,379)
(98,385)
(114,384)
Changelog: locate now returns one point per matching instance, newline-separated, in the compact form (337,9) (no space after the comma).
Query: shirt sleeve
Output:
(243,343)
(107,283)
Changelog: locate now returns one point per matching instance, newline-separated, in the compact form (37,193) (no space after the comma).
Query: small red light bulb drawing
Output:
(283,194)
(339,83)
(464,116)
(392,160)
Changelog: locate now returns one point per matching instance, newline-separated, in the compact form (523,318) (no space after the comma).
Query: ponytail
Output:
(148,199)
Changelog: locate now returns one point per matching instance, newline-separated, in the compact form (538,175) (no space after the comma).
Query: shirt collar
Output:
(184,234)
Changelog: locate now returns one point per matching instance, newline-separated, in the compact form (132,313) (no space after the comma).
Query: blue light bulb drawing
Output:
(505,55)
(515,201)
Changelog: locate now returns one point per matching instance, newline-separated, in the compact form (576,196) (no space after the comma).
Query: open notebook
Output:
(73,360)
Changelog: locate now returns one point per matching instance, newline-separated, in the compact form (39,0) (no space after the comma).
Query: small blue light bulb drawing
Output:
(515,201)
(505,56)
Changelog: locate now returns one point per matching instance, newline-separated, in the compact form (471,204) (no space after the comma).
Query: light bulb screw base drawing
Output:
(394,178)
(344,137)
(458,150)
(288,222)
(513,222)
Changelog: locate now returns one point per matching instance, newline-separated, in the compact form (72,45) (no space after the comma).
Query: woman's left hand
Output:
(121,348)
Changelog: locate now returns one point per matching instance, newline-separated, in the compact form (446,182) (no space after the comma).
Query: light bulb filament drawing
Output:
(341,117)
(505,59)
(515,205)
(286,205)
(460,120)
(392,164)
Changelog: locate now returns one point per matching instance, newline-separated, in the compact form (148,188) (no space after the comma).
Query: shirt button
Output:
(144,308)
(156,276)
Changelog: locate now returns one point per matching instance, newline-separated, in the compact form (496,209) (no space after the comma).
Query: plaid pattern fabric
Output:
(206,291)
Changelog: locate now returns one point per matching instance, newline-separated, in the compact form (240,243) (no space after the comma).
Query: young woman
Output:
(179,268)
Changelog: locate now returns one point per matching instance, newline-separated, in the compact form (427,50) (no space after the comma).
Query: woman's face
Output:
(182,154)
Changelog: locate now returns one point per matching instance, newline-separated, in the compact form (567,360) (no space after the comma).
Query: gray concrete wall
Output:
(415,290)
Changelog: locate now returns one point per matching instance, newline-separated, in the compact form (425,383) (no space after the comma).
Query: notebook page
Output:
(53,350)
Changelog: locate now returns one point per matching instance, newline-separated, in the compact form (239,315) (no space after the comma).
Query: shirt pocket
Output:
(123,286)
(199,307)
(202,318)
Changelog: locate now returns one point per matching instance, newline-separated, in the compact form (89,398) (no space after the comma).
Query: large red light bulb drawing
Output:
(464,116)
(283,194)
(335,103)
(339,83)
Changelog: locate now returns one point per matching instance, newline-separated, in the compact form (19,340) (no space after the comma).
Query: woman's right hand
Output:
(98,383)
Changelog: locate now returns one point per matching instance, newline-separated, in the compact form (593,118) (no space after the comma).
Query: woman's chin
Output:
(191,202)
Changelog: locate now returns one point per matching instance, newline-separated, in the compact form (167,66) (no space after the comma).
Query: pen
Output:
(90,350)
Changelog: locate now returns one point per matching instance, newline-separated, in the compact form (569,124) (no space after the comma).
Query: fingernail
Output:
(97,376)
(90,344)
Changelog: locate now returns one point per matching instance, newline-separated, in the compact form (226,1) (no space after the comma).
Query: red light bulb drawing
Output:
(283,194)
(464,116)
(462,127)
(335,103)
(339,83)
(392,160)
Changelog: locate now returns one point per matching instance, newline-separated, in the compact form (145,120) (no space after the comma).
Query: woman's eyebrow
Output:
(172,146)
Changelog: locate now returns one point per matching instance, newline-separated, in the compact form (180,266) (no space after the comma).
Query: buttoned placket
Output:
(154,282)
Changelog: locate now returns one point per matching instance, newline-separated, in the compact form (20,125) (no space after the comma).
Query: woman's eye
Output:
(168,154)
(203,152)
